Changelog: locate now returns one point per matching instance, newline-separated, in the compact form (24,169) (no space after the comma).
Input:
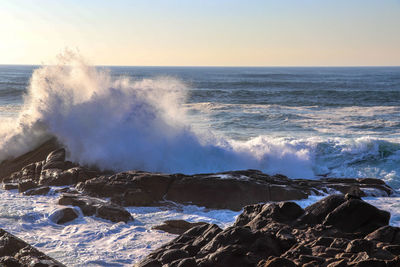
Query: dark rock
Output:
(9,262)
(388,234)
(359,245)
(94,206)
(278,262)
(10,186)
(317,212)
(24,186)
(176,226)
(64,215)
(272,235)
(172,255)
(357,216)
(37,191)
(15,252)
(113,213)
(40,153)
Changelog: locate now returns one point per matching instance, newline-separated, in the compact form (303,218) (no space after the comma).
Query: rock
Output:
(206,191)
(176,226)
(40,153)
(24,186)
(15,252)
(278,262)
(64,215)
(357,216)
(257,216)
(10,186)
(274,234)
(317,212)
(388,234)
(37,191)
(94,206)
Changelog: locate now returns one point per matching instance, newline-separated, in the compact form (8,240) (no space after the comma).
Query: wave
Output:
(120,124)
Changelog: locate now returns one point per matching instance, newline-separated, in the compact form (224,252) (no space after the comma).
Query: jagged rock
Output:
(387,234)
(176,226)
(39,154)
(94,206)
(64,215)
(37,191)
(356,215)
(279,234)
(15,252)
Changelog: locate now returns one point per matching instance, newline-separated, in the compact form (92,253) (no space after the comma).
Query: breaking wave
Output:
(119,124)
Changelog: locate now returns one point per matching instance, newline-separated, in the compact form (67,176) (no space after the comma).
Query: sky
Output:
(203,32)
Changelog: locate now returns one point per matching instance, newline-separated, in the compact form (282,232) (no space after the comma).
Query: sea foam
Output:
(119,124)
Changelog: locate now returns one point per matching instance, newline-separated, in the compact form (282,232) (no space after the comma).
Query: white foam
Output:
(90,241)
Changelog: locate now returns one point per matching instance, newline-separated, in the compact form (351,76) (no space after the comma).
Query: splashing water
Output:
(121,124)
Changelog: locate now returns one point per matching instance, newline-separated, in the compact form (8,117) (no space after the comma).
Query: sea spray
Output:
(122,124)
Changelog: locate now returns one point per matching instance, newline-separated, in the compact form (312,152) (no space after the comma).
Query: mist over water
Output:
(301,122)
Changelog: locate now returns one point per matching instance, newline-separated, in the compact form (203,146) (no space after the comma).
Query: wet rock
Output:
(274,234)
(64,215)
(15,252)
(26,185)
(94,206)
(10,186)
(37,191)
(176,226)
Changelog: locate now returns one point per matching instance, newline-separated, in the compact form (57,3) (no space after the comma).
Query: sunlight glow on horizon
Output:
(203,32)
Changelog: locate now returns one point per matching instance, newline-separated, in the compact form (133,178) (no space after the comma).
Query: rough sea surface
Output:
(301,122)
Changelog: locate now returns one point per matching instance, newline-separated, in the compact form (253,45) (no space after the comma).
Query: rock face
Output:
(15,252)
(228,190)
(283,234)
(94,206)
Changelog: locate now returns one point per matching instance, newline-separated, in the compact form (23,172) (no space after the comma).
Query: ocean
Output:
(303,122)
(310,122)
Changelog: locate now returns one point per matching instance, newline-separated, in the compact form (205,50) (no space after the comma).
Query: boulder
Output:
(64,215)
(94,206)
(356,215)
(26,185)
(37,191)
(278,234)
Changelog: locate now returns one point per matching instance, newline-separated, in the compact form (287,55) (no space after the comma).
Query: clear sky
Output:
(203,32)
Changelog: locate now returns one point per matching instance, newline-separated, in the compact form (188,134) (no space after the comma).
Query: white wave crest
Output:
(119,124)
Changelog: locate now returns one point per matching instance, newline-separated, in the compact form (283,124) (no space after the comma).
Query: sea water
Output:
(300,122)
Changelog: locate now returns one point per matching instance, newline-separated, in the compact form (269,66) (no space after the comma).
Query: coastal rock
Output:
(226,190)
(64,215)
(39,154)
(37,191)
(240,188)
(15,252)
(98,207)
(279,234)
(176,226)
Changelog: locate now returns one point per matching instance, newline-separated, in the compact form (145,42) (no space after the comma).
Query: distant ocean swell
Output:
(116,123)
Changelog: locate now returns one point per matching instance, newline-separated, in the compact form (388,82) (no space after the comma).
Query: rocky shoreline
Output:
(274,234)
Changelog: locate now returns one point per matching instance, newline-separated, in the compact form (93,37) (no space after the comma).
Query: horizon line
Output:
(225,66)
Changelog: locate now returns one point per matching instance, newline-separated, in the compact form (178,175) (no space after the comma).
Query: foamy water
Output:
(90,241)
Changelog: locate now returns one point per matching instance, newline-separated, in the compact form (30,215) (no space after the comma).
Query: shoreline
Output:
(90,192)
